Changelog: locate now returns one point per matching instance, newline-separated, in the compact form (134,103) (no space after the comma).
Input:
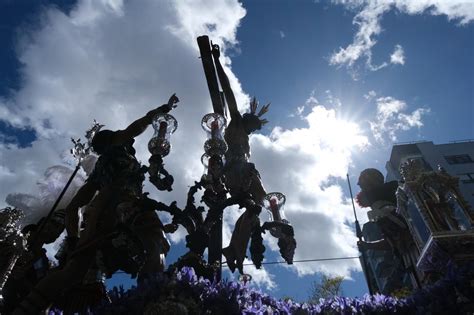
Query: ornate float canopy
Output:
(439,218)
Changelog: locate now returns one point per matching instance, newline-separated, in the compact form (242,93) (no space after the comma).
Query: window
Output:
(459,159)
(467,178)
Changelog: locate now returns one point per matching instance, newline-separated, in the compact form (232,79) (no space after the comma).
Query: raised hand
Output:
(173,101)
(165,108)
(216,51)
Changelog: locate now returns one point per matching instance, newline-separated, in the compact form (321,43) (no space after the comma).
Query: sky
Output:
(346,80)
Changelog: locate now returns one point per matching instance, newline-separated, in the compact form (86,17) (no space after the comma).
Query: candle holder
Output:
(12,242)
(274,203)
(245,278)
(159,147)
(213,124)
(278,226)
(164,125)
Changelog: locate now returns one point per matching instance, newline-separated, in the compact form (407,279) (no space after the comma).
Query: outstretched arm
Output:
(139,125)
(83,196)
(225,84)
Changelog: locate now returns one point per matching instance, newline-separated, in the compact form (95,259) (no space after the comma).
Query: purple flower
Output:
(187,274)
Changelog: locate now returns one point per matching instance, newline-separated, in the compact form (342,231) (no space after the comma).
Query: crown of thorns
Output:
(263,110)
(90,133)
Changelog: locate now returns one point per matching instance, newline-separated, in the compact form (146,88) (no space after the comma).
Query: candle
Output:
(162,129)
(275,209)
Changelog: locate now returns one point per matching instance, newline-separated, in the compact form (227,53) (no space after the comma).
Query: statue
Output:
(121,228)
(381,198)
(241,177)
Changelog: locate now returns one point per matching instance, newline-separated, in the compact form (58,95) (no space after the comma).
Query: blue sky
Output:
(342,93)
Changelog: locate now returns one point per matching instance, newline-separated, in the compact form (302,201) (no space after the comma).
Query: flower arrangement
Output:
(183,292)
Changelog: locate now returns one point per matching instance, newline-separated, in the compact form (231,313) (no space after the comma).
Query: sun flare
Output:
(334,132)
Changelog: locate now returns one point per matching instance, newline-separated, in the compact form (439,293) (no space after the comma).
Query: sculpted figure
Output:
(381,198)
(241,177)
(116,207)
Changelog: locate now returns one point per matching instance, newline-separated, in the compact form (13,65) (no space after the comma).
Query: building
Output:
(457,158)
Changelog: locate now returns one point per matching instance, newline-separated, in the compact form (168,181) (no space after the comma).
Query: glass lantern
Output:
(164,125)
(274,203)
(205,161)
(214,125)
(245,278)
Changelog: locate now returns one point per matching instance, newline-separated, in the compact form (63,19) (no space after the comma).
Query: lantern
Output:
(164,125)
(245,278)
(214,124)
(274,203)
(278,226)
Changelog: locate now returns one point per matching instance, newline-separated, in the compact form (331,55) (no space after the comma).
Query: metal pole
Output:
(50,214)
(363,258)
(352,199)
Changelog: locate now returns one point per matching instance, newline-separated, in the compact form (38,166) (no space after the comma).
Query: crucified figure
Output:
(241,177)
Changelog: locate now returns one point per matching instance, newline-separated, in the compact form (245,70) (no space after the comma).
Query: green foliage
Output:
(402,293)
(326,288)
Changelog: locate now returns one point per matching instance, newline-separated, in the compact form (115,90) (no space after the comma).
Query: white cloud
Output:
(282,34)
(38,204)
(368,21)
(310,102)
(260,277)
(332,101)
(398,56)
(370,95)
(391,118)
(304,163)
(299,110)
(4,171)
(216,18)
(461,11)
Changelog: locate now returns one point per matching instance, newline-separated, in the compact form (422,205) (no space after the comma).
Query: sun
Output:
(336,132)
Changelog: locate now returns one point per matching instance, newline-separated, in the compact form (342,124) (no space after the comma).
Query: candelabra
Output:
(159,147)
(12,243)
(274,203)
(213,160)
(278,226)
(164,125)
